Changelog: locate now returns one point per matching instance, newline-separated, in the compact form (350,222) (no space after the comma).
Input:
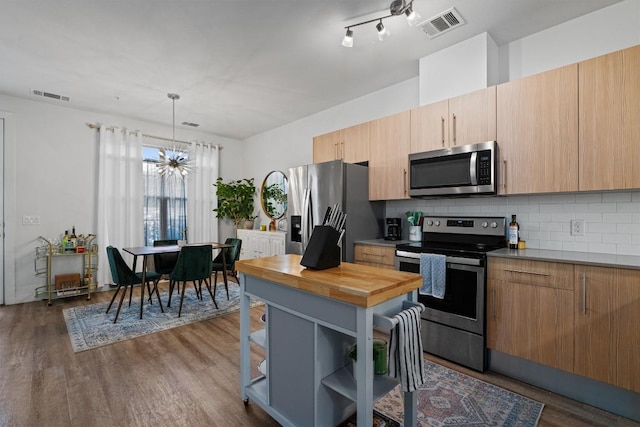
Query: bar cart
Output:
(45,256)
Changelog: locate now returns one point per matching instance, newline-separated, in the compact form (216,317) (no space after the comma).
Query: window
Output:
(165,201)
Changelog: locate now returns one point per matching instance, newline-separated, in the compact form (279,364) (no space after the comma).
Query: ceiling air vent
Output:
(50,95)
(441,23)
(193,125)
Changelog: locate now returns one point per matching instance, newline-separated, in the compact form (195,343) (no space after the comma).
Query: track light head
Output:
(412,16)
(383,32)
(347,41)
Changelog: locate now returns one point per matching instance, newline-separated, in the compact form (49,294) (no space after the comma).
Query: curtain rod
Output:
(95,126)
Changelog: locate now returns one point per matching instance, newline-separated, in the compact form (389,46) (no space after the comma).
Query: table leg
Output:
(245,347)
(144,278)
(364,368)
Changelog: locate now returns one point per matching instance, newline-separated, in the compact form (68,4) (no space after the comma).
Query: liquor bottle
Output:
(65,239)
(514,233)
(73,239)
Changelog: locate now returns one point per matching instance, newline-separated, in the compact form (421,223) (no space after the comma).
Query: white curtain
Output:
(120,195)
(202,223)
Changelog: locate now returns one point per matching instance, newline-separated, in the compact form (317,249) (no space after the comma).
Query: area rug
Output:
(450,398)
(90,327)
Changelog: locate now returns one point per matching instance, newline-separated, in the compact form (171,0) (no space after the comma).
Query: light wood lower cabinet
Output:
(534,312)
(607,318)
(374,255)
(258,244)
(529,311)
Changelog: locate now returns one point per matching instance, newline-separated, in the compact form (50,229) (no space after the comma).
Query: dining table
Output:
(146,251)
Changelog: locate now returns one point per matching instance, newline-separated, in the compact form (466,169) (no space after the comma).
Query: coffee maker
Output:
(393,229)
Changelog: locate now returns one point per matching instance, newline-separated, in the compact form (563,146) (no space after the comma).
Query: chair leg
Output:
(226,287)
(215,282)
(198,293)
(115,294)
(184,286)
(171,286)
(208,285)
(149,292)
(120,303)
(155,288)
(130,294)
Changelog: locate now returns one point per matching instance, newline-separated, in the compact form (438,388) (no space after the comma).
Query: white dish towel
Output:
(406,361)
(433,268)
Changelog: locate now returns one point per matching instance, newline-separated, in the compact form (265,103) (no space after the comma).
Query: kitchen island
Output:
(313,319)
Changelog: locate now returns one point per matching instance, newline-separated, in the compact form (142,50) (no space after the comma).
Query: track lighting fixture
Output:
(397,7)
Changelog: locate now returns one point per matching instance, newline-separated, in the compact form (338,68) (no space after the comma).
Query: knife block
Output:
(322,251)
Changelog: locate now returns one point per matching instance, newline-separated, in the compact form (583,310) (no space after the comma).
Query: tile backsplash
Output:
(612,219)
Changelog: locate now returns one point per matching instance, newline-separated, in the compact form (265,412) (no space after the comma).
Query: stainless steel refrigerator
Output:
(315,187)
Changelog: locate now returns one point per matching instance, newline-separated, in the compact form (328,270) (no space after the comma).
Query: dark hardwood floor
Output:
(186,376)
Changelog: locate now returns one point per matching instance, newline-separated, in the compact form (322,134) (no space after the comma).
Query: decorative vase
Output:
(248,224)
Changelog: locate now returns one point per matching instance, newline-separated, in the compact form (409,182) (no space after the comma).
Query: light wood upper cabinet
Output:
(465,119)
(607,302)
(601,123)
(537,133)
(472,117)
(350,144)
(389,157)
(529,311)
(630,112)
(429,127)
(609,126)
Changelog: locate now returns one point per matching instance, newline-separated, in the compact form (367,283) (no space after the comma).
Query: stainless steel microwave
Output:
(456,171)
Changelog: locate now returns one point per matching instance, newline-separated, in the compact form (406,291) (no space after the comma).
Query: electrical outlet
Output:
(577,227)
(30,220)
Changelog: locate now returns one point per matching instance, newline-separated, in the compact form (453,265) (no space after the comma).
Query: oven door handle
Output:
(449,259)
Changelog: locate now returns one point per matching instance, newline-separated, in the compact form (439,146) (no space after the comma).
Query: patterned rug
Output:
(450,398)
(90,327)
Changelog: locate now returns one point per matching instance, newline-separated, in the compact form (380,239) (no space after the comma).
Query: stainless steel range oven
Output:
(454,327)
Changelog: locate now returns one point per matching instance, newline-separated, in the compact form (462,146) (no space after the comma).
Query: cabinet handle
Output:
(342,150)
(454,129)
(584,293)
(405,182)
(335,151)
(367,253)
(504,176)
(493,303)
(442,130)
(527,272)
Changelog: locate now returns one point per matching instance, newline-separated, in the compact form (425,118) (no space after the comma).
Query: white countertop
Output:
(602,260)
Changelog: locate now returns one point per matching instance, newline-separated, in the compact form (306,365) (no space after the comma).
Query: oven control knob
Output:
(429,223)
(437,223)
(494,224)
(484,224)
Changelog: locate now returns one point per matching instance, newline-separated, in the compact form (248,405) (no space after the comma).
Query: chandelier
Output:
(397,7)
(174,162)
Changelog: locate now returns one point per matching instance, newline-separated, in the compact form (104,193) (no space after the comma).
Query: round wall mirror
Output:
(273,194)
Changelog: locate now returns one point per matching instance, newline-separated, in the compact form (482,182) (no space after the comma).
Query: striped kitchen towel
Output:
(406,361)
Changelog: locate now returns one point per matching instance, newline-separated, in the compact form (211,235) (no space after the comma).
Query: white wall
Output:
(613,28)
(462,68)
(292,145)
(54,176)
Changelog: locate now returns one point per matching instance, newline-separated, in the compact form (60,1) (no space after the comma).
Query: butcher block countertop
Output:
(356,284)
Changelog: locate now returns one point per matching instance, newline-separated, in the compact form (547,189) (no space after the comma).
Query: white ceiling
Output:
(241,67)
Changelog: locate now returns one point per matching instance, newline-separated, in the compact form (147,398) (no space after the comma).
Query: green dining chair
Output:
(163,264)
(193,264)
(232,255)
(124,277)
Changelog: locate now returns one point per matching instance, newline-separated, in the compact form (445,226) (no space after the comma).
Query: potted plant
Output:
(235,201)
